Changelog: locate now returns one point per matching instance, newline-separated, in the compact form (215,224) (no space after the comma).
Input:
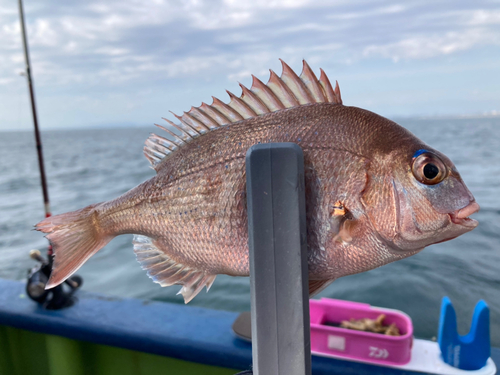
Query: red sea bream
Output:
(374,192)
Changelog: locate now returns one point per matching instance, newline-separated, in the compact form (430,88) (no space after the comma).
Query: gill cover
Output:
(409,199)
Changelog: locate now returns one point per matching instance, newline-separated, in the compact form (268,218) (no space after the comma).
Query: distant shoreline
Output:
(151,126)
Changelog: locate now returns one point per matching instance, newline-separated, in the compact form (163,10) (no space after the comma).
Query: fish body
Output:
(374,192)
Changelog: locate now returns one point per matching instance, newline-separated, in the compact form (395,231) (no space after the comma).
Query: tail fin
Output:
(75,237)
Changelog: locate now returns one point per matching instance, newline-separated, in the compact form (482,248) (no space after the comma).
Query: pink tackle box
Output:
(370,347)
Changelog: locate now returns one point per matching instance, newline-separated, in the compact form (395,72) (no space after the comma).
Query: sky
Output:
(129,62)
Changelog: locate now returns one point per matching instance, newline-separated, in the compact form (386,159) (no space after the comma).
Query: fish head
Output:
(416,197)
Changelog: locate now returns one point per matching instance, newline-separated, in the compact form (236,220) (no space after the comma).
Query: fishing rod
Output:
(45,190)
(38,276)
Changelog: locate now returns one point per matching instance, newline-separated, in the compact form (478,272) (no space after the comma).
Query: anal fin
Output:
(316,286)
(165,271)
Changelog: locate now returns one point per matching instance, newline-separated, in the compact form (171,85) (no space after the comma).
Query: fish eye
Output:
(428,168)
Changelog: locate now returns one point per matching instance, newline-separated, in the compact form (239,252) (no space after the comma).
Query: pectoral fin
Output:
(341,223)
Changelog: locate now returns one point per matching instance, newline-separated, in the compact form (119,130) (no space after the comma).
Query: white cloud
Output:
(266,4)
(220,20)
(44,34)
(485,17)
(426,46)
(362,12)
(112,51)
(132,44)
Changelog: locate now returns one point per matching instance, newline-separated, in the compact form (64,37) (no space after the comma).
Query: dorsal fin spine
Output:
(311,82)
(215,114)
(153,160)
(177,140)
(203,117)
(152,155)
(163,141)
(226,110)
(337,93)
(281,91)
(158,150)
(240,106)
(266,95)
(327,87)
(181,128)
(188,129)
(296,85)
(185,136)
(194,123)
(287,91)
(201,127)
(253,101)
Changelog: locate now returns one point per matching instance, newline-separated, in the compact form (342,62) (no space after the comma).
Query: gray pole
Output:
(278,260)
(33,110)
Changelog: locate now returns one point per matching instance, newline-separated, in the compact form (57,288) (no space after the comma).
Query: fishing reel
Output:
(55,298)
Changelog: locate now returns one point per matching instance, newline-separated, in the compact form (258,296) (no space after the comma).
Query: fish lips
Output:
(461,216)
(462,220)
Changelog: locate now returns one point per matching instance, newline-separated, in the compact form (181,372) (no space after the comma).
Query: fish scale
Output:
(368,201)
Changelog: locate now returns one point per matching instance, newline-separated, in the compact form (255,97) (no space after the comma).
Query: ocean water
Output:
(89,166)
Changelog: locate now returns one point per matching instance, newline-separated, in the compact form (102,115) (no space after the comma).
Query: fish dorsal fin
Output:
(279,93)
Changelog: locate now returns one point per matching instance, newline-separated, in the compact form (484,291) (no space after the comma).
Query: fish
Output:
(375,193)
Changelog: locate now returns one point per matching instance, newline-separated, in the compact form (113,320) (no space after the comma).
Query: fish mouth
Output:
(461,216)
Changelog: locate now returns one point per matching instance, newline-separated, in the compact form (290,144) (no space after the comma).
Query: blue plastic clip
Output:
(469,352)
